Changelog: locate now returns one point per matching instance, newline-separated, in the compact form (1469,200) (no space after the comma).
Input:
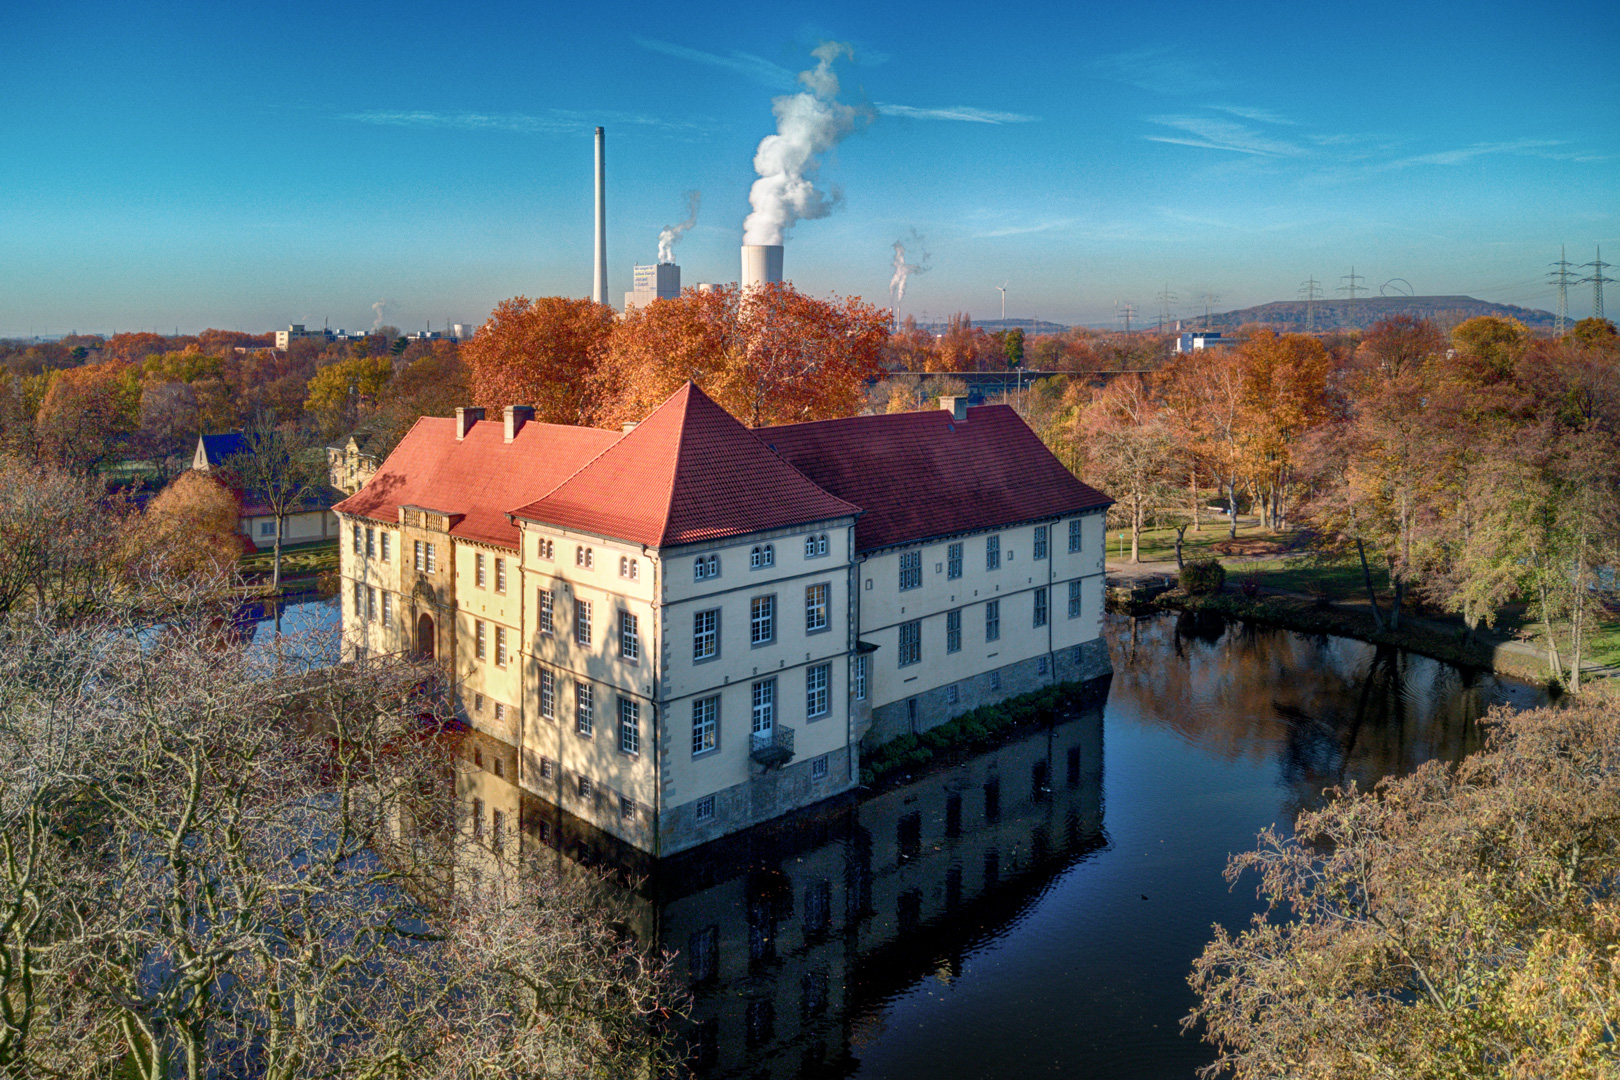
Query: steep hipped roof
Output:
(922,474)
(690,472)
(481,476)
(216,448)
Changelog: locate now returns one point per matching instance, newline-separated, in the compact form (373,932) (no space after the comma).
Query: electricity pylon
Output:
(1560,276)
(1311,290)
(1597,279)
(1166,298)
(1352,289)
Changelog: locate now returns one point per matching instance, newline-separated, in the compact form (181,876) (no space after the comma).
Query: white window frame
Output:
(584,708)
(629,726)
(762,620)
(817,691)
(817,613)
(953,561)
(705,634)
(500,646)
(548,694)
(909,649)
(481,637)
(1040,542)
(629,636)
(953,630)
(1075,537)
(910,570)
(762,556)
(548,611)
(858,676)
(479,577)
(1074,599)
(992,620)
(1042,611)
(763,715)
(582,622)
(705,725)
(500,575)
(992,552)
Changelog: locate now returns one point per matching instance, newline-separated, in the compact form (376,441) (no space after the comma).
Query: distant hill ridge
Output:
(1447,311)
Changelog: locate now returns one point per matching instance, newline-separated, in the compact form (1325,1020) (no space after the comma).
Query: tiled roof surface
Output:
(216,448)
(690,472)
(482,476)
(923,474)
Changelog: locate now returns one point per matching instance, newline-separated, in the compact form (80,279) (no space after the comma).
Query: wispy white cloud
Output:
(753,67)
(1212,133)
(966,113)
(1259,116)
(551,122)
(1460,155)
(1024,230)
(1162,69)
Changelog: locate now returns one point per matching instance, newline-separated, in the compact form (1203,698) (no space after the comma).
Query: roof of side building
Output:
(922,475)
(481,476)
(689,473)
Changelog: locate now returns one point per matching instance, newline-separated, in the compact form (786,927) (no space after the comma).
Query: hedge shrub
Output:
(1202,576)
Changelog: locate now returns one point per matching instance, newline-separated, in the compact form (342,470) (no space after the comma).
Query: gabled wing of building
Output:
(480,476)
(922,475)
(688,473)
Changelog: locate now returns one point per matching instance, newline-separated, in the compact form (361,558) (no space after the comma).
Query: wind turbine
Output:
(1002,289)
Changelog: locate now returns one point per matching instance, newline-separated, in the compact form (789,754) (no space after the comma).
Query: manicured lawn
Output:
(303,561)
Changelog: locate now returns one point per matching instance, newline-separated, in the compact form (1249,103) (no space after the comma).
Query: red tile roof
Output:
(482,476)
(688,473)
(922,475)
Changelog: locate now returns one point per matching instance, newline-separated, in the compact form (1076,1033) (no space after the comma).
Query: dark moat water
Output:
(1034,911)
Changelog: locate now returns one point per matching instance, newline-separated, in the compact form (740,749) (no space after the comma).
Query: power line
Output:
(1166,298)
(1311,290)
(1596,280)
(1562,279)
(1209,299)
(1125,311)
(1352,289)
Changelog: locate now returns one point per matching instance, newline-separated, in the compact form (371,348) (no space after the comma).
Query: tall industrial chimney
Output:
(599,291)
(761,264)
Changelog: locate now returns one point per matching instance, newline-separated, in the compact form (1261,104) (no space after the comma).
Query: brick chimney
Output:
(465,419)
(516,417)
(956,406)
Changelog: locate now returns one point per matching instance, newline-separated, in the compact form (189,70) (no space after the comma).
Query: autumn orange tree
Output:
(341,392)
(88,414)
(188,530)
(1285,394)
(768,354)
(543,353)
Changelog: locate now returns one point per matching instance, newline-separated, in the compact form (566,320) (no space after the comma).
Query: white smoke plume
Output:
(378,308)
(808,124)
(904,269)
(672,233)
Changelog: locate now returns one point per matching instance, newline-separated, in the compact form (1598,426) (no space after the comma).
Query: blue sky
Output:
(246,166)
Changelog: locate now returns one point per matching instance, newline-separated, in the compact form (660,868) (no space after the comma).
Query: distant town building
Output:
(351,464)
(659,282)
(296,332)
(687,628)
(1193,340)
(256,521)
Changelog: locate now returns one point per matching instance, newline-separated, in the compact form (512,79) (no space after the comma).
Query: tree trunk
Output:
(1136,532)
(1577,614)
(1553,660)
(1400,594)
(1181,532)
(275,573)
(1366,578)
(1231,503)
(1192,495)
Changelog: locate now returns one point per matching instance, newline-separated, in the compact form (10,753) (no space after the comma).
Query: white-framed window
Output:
(388,609)
(815,545)
(762,620)
(995,679)
(548,694)
(629,726)
(992,552)
(629,568)
(500,645)
(1074,535)
(1040,606)
(992,620)
(371,541)
(706,634)
(761,556)
(500,574)
(371,603)
(953,631)
(1040,665)
(478,707)
(858,677)
(548,623)
(547,769)
(764,700)
(629,636)
(544,547)
(817,680)
(910,649)
(421,562)
(704,811)
(818,768)
(432,560)
(705,725)
(481,637)
(584,706)
(500,714)
(478,819)
(586,557)
(910,570)
(267,528)
(815,608)
(382,546)
(582,622)
(705,567)
(1040,541)
(950,694)
(359,600)
(635,569)
(478,571)
(953,560)
(586,790)
(627,808)
(1074,599)
(357,548)
(497,829)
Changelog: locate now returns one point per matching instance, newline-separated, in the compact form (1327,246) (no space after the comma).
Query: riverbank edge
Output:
(1305,615)
(907,757)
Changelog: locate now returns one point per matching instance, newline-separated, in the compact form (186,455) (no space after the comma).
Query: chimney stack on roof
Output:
(516,417)
(956,406)
(465,419)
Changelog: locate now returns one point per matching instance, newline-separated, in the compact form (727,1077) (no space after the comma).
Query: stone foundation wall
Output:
(1079,663)
(767,794)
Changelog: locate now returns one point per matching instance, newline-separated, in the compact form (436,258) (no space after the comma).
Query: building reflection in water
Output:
(792,935)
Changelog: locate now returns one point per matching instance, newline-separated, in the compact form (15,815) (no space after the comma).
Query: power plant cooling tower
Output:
(761,264)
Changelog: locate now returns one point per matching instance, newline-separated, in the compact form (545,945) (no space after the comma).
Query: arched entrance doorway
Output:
(424,638)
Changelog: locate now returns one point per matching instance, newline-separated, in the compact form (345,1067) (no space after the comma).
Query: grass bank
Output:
(302,566)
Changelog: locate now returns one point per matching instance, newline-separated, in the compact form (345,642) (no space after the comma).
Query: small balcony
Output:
(773,749)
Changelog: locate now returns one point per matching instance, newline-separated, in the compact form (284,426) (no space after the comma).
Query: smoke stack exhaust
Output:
(761,264)
(599,288)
